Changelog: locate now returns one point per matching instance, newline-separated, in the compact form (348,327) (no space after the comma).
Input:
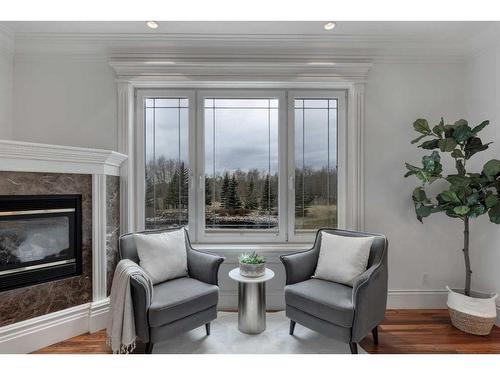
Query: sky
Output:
(245,138)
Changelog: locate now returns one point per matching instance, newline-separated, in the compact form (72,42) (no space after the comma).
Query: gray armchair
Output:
(178,305)
(337,310)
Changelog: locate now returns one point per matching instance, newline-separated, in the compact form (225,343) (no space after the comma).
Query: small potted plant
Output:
(252,265)
(466,196)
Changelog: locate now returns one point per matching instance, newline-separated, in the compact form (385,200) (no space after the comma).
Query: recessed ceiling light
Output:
(329,26)
(152,24)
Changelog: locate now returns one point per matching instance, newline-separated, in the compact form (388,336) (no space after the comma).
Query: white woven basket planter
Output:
(474,315)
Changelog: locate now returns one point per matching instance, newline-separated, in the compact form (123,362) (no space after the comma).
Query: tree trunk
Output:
(468,271)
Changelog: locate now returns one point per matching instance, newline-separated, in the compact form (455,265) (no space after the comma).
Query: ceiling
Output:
(349,39)
(446,30)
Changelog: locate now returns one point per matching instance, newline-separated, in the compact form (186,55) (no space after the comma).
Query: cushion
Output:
(323,299)
(162,255)
(341,259)
(179,298)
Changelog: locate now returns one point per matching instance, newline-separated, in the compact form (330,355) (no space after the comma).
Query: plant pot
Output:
(252,270)
(475,314)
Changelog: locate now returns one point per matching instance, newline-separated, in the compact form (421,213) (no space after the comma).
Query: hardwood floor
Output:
(402,331)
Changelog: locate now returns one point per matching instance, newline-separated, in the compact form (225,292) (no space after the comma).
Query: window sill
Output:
(259,247)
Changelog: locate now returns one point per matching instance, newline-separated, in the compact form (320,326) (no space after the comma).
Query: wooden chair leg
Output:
(354,347)
(292,327)
(149,348)
(375,335)
(207,328)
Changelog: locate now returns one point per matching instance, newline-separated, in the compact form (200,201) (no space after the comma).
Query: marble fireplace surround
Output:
(43,314)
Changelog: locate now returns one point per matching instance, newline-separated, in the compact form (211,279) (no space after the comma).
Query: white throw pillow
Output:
(162,255)
(342,259)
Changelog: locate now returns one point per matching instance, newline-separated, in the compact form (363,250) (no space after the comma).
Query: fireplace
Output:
(40,239)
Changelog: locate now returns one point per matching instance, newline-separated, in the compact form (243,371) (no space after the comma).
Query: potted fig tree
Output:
(466,196)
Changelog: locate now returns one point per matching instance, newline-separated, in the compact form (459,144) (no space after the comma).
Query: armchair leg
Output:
(292,327)
(207,328)
(375,335)
(149,348)
(354,347)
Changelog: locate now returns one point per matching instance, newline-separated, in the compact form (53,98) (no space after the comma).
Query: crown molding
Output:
(383,48)
(181,70)
(6,42)
(38,157)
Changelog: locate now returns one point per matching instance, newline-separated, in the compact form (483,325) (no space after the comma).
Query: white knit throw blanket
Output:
(121,325)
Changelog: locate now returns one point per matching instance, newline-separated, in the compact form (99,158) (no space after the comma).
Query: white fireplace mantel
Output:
(38,157)
(35,333)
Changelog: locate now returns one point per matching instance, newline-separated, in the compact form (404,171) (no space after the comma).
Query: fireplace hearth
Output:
(40,239)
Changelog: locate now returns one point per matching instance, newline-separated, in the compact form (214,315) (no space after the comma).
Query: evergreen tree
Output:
(268,198)
(173,191)
(184,188)
(251,202)
(208,191)
(233,197)
(224,191)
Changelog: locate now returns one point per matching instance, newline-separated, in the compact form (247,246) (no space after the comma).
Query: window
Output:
(241,165)
(315,163)
(166,162)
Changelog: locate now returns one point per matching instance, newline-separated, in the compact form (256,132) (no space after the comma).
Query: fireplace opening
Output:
(40,239)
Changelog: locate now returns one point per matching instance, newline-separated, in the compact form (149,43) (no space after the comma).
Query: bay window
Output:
(241,165)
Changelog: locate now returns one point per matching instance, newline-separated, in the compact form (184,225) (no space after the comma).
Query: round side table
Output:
(251,301)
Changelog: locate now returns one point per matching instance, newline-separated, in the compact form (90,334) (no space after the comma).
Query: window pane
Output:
(315,163)
(167,170)
(241,163)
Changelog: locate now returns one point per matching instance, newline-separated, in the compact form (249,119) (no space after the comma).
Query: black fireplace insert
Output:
(40,239)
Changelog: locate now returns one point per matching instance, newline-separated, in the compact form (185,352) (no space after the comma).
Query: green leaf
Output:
(477,210)
(430,145)
(419,138)
(461,210)
(473,146)
(458,180)
(419,195)
(423,211)
(447,144)
(460,122)
(492,168)
(480,127)
(494,214)
(432,163)
(491,200)
(451,213)
(449,196)
(472,199)
(439,129)
(462,133)
(422,126)
(448,130)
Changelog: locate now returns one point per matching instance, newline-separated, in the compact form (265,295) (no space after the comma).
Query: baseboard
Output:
(98,315)
(416,299)
(33,334)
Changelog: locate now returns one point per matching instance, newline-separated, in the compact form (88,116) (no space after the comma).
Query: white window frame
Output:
(286,190)
(341,95)
(246,235)
(140,151)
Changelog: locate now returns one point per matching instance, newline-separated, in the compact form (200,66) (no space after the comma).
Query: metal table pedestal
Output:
(251,301)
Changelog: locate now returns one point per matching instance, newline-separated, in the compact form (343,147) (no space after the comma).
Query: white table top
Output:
(235,275)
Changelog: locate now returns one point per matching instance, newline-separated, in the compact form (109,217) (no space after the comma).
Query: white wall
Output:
(6,86)
(482,102)
(73,102)
(65,101)
(423,258)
